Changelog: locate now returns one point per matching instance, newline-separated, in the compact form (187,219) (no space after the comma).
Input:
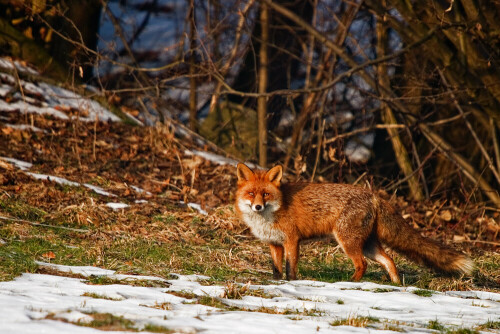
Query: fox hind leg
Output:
(352,248)
(374,251)
(357,258)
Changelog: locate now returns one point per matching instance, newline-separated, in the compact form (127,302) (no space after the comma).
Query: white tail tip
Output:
(464,265)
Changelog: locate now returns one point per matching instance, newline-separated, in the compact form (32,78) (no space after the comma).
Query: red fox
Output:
(283,215)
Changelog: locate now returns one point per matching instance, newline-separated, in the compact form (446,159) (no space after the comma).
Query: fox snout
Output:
(257,207)
(258,203)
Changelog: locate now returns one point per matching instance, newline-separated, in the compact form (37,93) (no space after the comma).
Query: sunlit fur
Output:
(360,221)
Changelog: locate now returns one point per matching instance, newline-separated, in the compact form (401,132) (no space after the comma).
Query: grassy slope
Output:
(160,236)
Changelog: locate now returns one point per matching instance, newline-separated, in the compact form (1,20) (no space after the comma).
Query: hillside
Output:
(79,187)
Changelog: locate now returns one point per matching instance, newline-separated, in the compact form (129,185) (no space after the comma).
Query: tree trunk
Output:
(262,79)
(284,37)
(193,105)
(80,24)
(388,117)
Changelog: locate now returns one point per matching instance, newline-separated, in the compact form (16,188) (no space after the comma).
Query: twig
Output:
(43,225)
(417,170)
(95,137)
(368,128)
(495,142)
(318,149)
(468,170)
(486,156)
(225,69)
(482,242)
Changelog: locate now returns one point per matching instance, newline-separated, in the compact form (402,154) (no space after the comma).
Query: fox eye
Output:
(266,194)
(250,193)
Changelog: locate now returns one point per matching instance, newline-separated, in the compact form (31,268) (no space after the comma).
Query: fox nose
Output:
(258,207)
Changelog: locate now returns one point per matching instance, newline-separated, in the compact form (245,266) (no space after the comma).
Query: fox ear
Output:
(274,175)
(244,173)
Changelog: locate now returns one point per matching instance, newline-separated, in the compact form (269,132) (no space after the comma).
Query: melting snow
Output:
(55,179)
(215,158)
(22,165)
(117,206)
(198,208)
(99,190)
(29,299)
(49,99)
(141,191)
(24,127)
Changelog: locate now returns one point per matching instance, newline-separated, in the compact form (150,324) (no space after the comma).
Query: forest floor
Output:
(155,175)
(136,200)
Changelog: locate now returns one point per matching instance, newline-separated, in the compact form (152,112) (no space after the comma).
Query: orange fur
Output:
(283,215)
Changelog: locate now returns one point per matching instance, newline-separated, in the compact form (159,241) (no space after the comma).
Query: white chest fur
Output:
(261,224)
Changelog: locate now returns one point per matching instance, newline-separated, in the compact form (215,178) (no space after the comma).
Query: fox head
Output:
(258,191)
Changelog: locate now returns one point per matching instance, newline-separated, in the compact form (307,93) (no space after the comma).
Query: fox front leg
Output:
(277,256)
(291,249)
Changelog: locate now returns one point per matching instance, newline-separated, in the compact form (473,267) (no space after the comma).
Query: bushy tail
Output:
(395,232)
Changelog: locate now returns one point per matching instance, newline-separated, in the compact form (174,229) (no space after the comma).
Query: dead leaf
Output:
(445,215)
(49,255)
(7,130)
(331,154)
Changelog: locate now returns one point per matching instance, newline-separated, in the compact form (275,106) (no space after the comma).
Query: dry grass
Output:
(355,321)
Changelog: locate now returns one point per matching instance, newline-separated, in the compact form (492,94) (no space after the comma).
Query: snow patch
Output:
(98,190)
(212,157)
(22,165)
(46,99)
(26,301)
(117,206)
(55,179)
(141,191)
(24,127)
(198,208)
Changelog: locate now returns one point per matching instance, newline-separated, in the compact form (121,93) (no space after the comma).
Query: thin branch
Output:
(43,225)
(365,129)
(468,170)
(227,65)
(486,156)
(495,142)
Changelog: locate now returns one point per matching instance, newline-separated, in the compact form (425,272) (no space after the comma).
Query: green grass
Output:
(106,280)
(381,290)
(110,322)
(423,293)
(18,208)
(167,219)
(157,329)
(434,324)
(18,255)
(462,331)
(98,296)
(490,324)
(355,321)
